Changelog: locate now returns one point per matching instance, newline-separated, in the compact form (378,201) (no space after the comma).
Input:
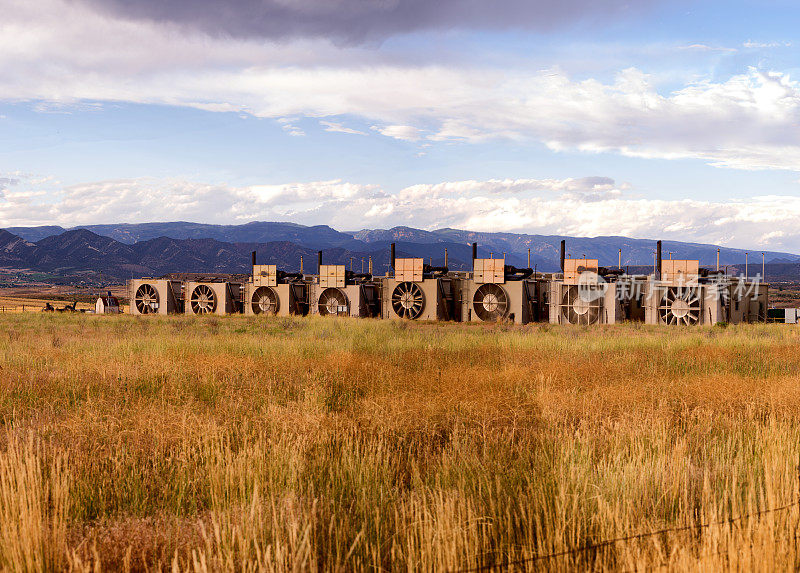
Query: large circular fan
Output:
(578,308)
(146,299)
(408,300)
(265,301)
(332,301)
(203,300)
(490,302)
(680,305)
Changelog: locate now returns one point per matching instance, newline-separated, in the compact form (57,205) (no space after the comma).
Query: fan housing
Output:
(332,301)
(265,301)
(490,302)
(680,305)
(146,299)
(203,300)
(408,300)
(580,305)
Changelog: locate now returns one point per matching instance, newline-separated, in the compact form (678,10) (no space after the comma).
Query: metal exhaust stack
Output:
(319,261)
(445,256)
(474,252)
(563,253)
(253,255)
(392,255)
(658,260)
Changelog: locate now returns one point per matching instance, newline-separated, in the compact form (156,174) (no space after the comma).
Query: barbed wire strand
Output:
(632,537)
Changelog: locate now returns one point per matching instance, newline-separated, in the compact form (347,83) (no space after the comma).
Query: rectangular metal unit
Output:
(155,296)
(784,315)
(491,271)
(265,275)
(677,272)
(591,302)
(285,299)
(408,270)
(747,301)
(212,297)
(684,296)
(574,267)
(332,276)
(683,304)
(425,299)
(359,300)
(516,301)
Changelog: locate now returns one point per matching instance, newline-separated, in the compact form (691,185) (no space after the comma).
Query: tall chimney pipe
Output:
(319,262)
(658,260)
(445,256)
(563,252)
(392,255)
(254,258)
(474,251)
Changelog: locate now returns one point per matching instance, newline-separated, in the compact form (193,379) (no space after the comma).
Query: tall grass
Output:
(270,444)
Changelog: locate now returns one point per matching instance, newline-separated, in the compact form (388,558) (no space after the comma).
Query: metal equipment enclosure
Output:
(339,292)
(420,292)
(273,292)
(689,295)
(497,291)
(155,296)
(212,297)
(582,296)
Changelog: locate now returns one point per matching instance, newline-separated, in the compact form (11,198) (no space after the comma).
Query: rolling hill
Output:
(126,250)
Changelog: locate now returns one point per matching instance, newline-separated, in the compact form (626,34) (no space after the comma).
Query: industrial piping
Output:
(658,260)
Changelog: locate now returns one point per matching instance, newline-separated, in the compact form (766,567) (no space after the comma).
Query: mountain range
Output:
(151,249)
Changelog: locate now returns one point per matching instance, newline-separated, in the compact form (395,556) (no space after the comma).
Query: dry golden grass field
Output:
(244,444)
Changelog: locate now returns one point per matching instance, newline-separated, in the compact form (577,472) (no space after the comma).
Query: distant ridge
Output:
(125,250)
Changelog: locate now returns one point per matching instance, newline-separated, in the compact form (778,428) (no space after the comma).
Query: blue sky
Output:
(650,119)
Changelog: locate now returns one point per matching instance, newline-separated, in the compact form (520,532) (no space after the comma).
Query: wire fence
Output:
(589,547)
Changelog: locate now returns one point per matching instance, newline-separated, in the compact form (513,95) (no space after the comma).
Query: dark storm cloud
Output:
(360,20)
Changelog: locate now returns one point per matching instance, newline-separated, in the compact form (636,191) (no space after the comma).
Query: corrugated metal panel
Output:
(489,271)
(265,275)
(331,276)
(680,271)
(574,267)
(408,270)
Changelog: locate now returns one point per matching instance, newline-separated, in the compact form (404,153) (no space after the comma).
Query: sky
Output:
(650,119)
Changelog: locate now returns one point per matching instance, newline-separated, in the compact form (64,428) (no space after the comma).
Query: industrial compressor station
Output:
(679,292)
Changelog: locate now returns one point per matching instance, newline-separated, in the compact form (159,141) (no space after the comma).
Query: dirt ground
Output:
(34,297)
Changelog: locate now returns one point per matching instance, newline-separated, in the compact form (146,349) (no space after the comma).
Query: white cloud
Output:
(402,132)
(707,48)
(60,53)
(339,128)
(575,206)
(751,44)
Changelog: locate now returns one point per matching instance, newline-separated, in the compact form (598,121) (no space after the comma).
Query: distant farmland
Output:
(244,443)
